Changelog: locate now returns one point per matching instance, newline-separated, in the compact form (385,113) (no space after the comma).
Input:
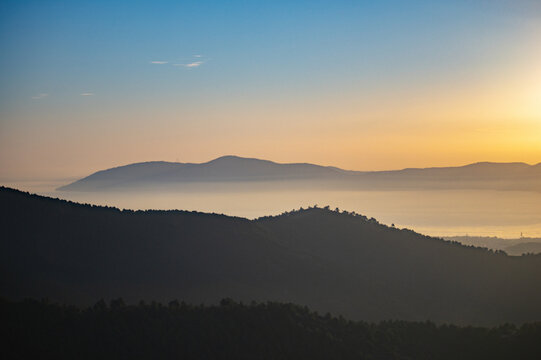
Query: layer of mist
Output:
(504,214)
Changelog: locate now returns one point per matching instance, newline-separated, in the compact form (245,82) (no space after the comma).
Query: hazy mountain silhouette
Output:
(518,176)
(223,169)
(517,247)
(329,260)
(524,248)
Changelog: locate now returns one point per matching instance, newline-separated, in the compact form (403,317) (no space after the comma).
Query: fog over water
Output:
(504,214)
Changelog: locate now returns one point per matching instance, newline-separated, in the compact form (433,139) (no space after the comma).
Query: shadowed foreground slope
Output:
(341,263)
(235,331)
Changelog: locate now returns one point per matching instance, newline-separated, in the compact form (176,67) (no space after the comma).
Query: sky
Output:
(363,85)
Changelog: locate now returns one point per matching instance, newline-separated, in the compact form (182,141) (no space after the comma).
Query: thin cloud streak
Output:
(87,94)
(40,96)
(201,60)
(190,65)
(194,64)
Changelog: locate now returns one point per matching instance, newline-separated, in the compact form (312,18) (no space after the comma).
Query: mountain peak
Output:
(235,158)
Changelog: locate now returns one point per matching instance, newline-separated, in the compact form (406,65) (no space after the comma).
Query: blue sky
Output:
(68,47)
(242,53)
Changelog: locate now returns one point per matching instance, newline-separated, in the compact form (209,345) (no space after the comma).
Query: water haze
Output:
(505,214)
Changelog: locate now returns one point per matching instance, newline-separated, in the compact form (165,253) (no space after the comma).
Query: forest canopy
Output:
(232,330)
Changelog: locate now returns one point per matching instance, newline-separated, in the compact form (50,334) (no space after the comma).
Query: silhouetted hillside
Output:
(331,261)
(524,248)
(515,247)
(39,330)
(230,169)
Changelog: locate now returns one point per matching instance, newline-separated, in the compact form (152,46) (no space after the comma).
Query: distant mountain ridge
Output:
(223,169)
(332,261)
(517,247)
(504,176)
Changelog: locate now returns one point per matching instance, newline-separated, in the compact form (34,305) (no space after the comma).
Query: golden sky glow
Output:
(359,96)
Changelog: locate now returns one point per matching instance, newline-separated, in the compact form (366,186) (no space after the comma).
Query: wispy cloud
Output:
(194,64)
(87,94)
(40,96)
(194,61)
(190,65)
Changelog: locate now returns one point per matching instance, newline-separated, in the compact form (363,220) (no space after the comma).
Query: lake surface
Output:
(504,214)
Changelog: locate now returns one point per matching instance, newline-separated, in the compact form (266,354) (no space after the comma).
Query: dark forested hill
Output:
(41,330)
(230,169)
(331,261)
